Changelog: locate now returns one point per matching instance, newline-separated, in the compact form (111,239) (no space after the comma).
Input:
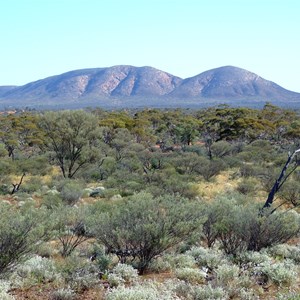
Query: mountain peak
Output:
(126,85)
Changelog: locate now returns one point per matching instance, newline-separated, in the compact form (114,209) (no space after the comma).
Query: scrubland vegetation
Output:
(152,204)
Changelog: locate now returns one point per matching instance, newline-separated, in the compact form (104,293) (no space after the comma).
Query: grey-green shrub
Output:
(210,292)
(63,294)
(204,257)
(147,291)
(121,274)
(146,227)
(191,275)
(281,273)
(4,290)
(36,270)
(20,233)
(71,192)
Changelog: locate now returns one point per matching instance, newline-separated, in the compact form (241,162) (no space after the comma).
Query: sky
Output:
(41,38)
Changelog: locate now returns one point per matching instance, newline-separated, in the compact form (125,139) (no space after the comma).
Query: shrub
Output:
(4,289)
(20,232)
(71,192)
(209,292)
(207,257)
(226,274)
(147,291)
(145,227)
(252,258)
(79,273)
(247,186)
(121,274)
(160,264)
(70,228)
(63,294)
(286,251)
(210,168)
(191,275)
(281,273)
(36,270)
(290,295)
(180,260)
(221,149)
(51,200)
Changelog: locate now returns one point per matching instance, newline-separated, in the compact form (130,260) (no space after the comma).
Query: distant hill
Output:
(129,86)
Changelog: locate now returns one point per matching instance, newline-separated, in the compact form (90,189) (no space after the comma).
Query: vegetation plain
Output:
(150,204)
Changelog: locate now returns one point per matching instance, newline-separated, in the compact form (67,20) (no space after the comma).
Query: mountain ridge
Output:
(128,86)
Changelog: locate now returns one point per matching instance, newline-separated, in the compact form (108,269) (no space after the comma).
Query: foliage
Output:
(146,291)
(71,138)
(63,294)
(20,233)
(70,228)
(281,273)
(4,290)
(145,227)
(36,270)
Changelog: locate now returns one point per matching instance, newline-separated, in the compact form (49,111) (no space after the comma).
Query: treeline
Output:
(160,151)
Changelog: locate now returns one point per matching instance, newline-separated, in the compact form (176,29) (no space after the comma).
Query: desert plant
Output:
(4,290)
(20,233)
(63,294)
(36,270)
(210,258)
(191,275)
(71,192)
(70,228)
(281,273)
(145,227)
(79,273)
(147,291)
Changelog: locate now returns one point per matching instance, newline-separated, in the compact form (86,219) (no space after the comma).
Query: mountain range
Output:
(126,86)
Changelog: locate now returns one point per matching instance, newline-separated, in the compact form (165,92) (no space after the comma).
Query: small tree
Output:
(144,227)
(71,137)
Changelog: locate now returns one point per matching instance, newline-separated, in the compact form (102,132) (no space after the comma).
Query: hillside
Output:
(129,86)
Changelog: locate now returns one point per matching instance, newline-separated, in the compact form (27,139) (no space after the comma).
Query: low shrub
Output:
(147,291)
(63,294)
(280,273)
(121,274)
(4,290)
(191,275)
(36,270)
(210,292)
(79,273)
(210,258)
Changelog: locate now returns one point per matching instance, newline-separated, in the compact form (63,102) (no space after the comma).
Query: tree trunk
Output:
(280,180)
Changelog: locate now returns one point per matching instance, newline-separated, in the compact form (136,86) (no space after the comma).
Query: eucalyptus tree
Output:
(72,138)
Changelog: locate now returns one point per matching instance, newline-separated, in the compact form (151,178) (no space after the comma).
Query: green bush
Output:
(5,286)
(191,275)
(122,274)
(145,227)
(71,192)
(36,270)
(147,291)
(20,232)
(63,294)
(281,273)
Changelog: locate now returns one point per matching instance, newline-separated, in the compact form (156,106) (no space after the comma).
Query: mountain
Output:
(231,82)
(129,86)
(5,88)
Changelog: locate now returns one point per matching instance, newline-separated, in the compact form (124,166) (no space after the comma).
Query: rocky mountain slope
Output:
(128,86)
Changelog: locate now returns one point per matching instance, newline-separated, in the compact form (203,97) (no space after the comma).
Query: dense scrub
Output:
(91,199)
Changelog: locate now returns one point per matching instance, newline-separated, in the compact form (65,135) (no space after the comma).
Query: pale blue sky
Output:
(40,38)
